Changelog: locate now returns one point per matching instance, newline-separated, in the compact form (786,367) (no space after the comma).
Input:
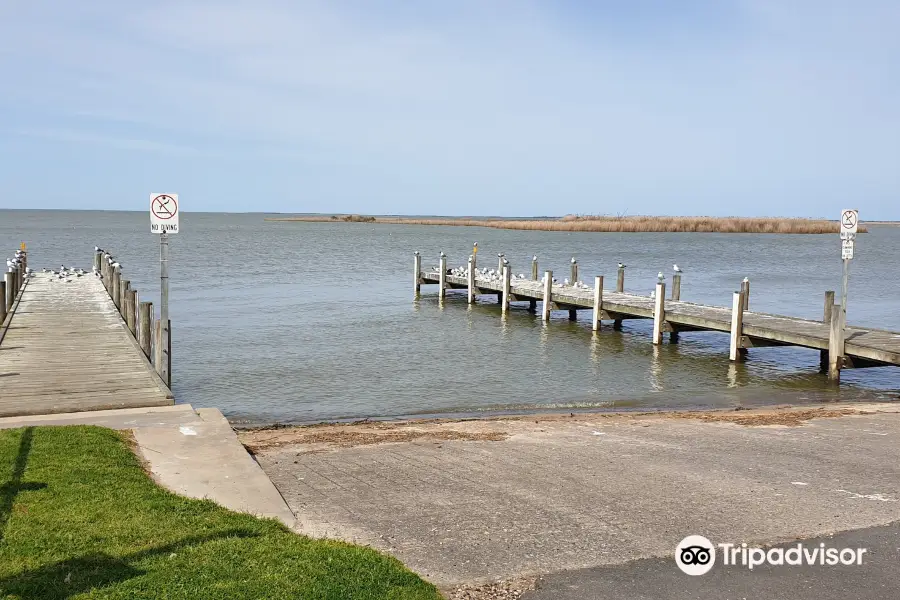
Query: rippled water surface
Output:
(309,321)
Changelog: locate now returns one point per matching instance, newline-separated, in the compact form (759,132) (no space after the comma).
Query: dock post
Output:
(116,285)
(548,295)
(97,257)
(124,286)
(835,344)
(506,286)
(826,318)
(442,277)
(659,313)
(745,290)
(470,277)
(574,272)
(598,302)
(500,262)
(534,268)
(10,290)
(2,301)
(676,286)
(130,299)
(417,278)
(146,320)
(737,326)
(620,280)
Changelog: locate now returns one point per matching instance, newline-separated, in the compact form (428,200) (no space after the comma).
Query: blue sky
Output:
(743,107)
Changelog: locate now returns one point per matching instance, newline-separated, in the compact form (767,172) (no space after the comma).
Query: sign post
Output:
(164,216)
(849,227)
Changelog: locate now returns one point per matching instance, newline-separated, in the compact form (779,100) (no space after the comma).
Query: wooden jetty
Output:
(841,346)
(68,346)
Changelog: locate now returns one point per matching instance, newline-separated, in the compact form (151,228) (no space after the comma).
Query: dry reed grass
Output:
(616,224)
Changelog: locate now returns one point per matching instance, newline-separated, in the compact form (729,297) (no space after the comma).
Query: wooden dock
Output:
(841,346)
(66,347)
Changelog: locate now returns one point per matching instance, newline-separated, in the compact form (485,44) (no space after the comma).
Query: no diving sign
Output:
(163,213)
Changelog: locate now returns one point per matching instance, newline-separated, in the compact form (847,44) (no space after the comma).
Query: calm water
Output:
(310,321)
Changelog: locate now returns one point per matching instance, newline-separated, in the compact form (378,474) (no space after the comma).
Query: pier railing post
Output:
(826,318)
(835,344)
(506,289)
(659,313)
(548,295)
(534,268)
(598,302)
(124,286)
(574,271)
(470,279)
(10,290)
(2,301)
(676,286)
(97,259)
(745,291)
(737,326)
(130,300)
(116,285)
(417,274)
(500,262)
(146,320)
(620,280)
(442,277)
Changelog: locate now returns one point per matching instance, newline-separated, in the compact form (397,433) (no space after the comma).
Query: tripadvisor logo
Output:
(696,555)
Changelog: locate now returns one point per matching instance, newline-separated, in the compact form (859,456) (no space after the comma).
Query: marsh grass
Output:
(611,224)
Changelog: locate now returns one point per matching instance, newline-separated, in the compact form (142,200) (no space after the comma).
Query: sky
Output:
(470,107)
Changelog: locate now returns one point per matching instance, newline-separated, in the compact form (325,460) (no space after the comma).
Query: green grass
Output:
(79,518)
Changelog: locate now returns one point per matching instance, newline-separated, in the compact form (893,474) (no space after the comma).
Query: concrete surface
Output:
(191,452)
(650,579)
(582,493)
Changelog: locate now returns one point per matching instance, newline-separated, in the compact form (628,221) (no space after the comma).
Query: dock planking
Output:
(861,347)
(68,349)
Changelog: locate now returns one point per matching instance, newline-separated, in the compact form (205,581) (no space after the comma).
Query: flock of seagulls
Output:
(497,274)
(64,274)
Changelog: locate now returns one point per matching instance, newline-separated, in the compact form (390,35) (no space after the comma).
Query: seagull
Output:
(534,258)
(442,255)
(677,269)
(566,281)
(505,262)
(653,293)
(746,280)
(622,265)
(573,260)
(661,277)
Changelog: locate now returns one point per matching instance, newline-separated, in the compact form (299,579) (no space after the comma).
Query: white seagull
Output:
(622,265)
(677,269)
(661,277)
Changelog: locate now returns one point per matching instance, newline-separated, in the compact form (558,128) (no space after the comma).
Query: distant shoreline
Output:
(602,223)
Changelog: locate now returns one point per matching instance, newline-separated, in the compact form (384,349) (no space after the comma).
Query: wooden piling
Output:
(835,344)
(676,286)
(124,286)
(146,322)
(417,277)
(470,280)
(130,300)
(10,289)
(534,268)
(500,263)
(826,318)
(574,271)
(548,295)
(2,301)
(737,326)
(598,302)
(116,285)
(442,292)
(659,312)
(97,258)
(620,280)
(506,287)
(745,291)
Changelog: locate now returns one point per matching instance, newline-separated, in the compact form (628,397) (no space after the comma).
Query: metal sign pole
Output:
(163,369)
(845,285)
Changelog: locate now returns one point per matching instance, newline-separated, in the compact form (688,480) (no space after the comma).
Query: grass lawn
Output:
(79,518)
